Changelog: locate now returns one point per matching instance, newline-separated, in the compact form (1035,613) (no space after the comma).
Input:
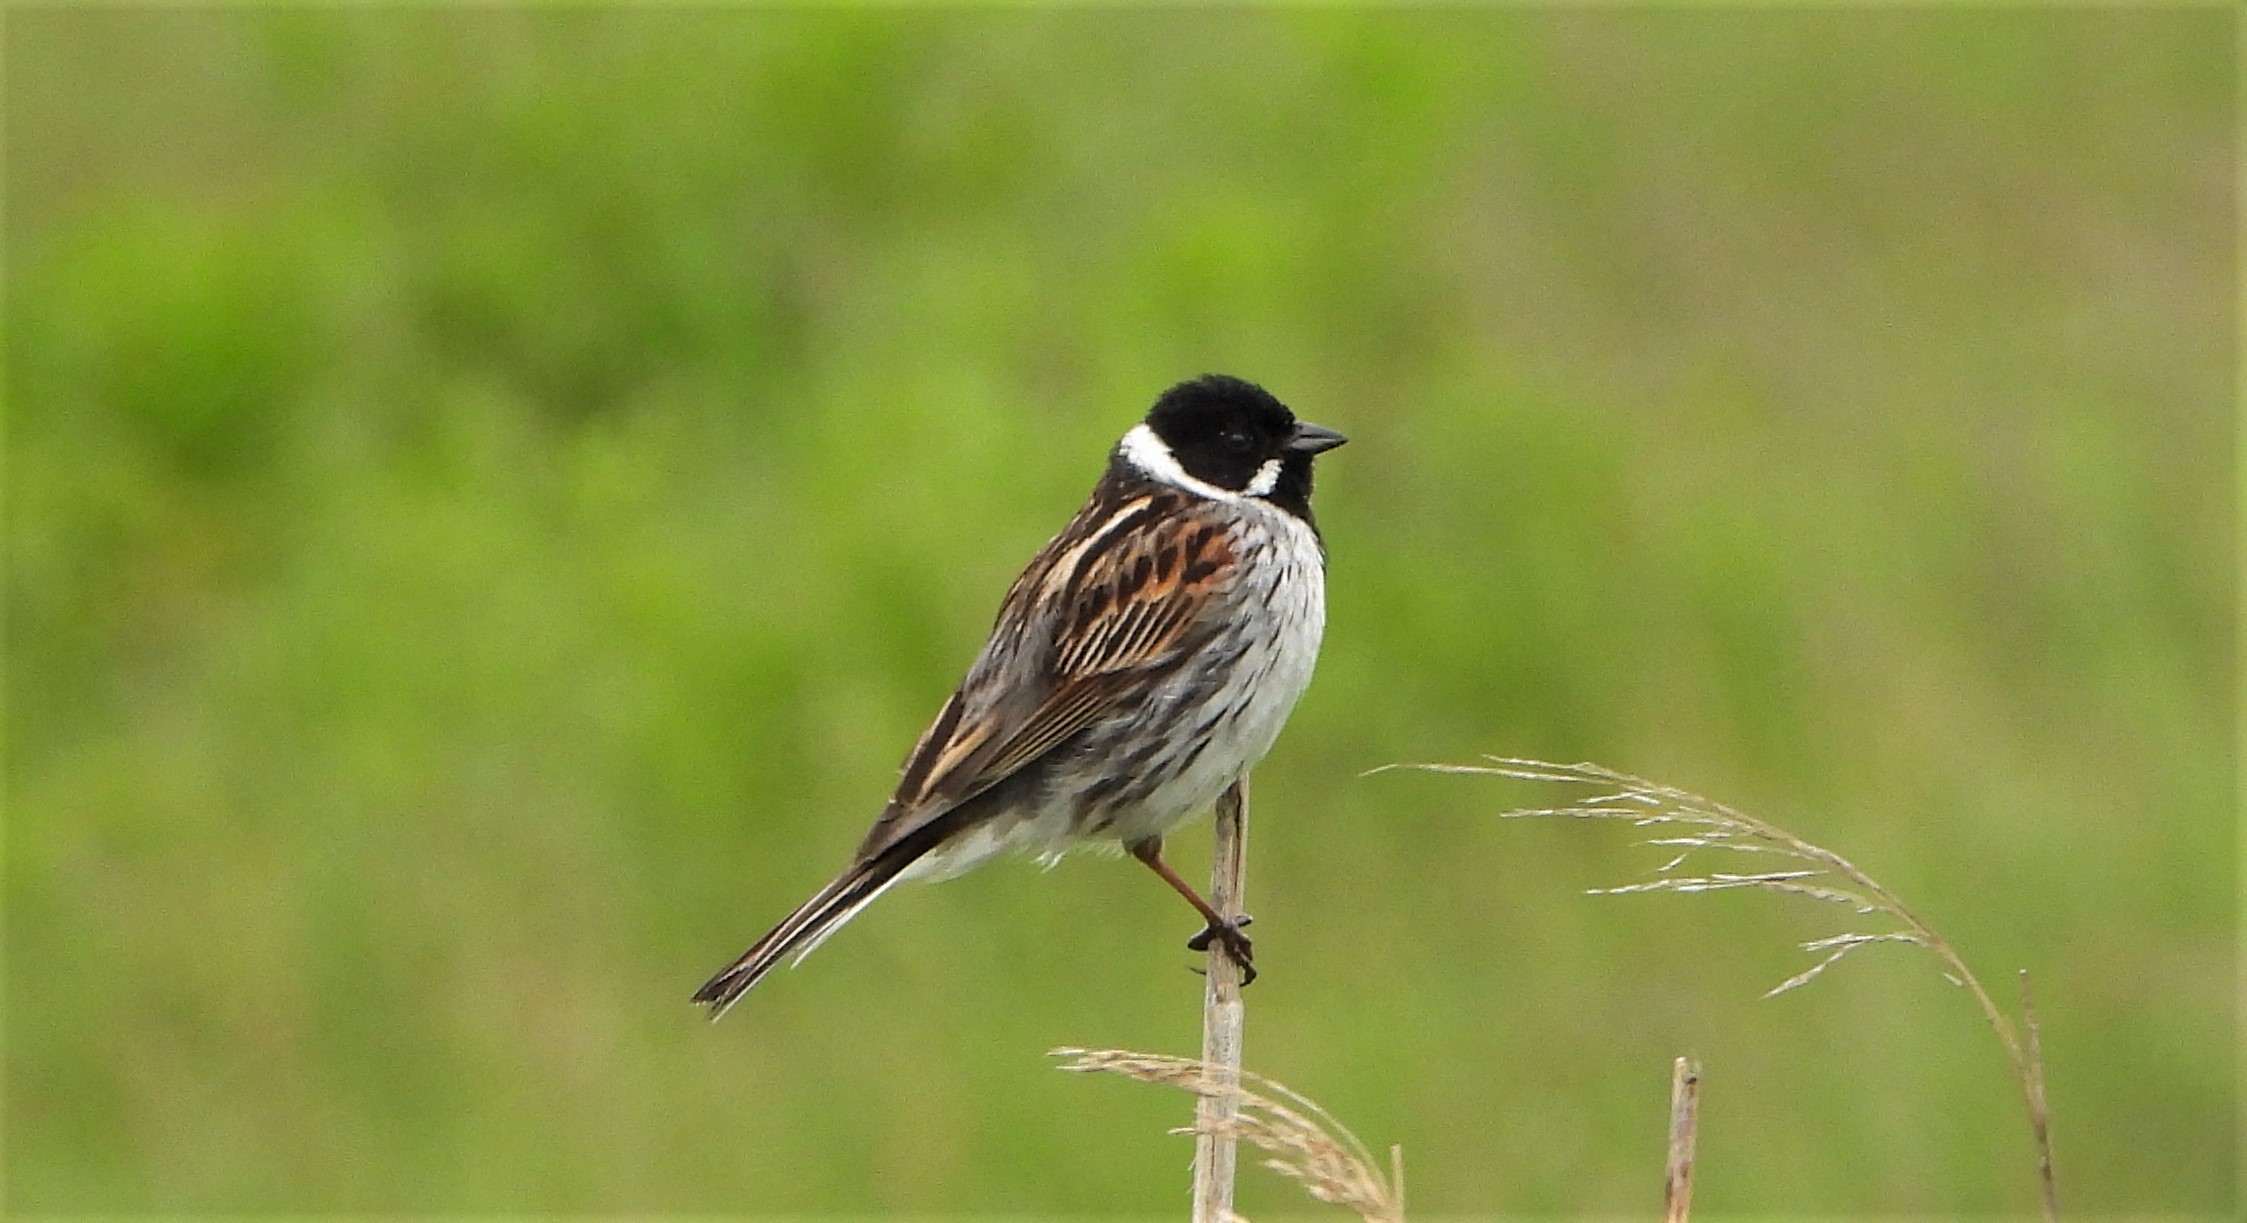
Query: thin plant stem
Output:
(1217,1107)
(1685,1116)
(2040,1116)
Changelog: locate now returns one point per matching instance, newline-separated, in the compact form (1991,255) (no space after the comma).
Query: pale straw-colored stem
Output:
(1685,1118)
(1215,1153)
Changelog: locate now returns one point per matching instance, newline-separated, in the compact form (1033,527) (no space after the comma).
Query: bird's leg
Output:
(1224,933)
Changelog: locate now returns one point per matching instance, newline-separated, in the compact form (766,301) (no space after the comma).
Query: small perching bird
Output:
(1146,657)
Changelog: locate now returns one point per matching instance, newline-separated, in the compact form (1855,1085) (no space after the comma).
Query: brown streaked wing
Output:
(1130,611)
(1113,602)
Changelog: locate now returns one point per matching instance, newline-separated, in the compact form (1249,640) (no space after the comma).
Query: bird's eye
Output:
(1236,440)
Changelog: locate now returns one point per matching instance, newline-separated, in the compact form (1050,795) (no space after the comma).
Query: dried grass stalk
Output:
(1703,826)
(1224,1015)
(1300,1140)
(1685,1117)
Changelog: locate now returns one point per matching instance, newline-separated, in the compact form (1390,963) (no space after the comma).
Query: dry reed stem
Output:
(1815,872)
(1216,1155)
(1685,1119)
(1301,1140)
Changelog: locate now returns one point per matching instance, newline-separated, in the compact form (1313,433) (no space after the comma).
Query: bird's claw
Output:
(1201,942)
(1236,945)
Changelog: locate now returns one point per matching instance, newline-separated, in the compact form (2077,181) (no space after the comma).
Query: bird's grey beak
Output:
(1311,439)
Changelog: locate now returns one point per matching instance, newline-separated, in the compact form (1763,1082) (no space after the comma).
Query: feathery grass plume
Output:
(1304,1142)
(1704,826)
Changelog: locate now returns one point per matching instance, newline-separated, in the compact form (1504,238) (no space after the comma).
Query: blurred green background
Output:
(493,495)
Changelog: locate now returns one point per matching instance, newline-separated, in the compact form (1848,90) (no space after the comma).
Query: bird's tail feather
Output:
(809,926)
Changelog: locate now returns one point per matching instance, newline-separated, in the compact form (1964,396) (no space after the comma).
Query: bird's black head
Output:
(1232,435)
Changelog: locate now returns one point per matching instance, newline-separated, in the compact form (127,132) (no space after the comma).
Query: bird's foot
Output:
(1228,936)
(1210,934)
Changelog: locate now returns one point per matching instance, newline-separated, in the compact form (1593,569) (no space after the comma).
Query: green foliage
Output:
(492,495)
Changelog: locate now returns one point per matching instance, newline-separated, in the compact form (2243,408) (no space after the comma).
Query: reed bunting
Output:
(1146,657)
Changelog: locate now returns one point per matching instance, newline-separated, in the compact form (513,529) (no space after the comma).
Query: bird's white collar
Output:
(1144,450)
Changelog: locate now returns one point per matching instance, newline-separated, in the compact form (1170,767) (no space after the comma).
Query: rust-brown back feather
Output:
(1112,603)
